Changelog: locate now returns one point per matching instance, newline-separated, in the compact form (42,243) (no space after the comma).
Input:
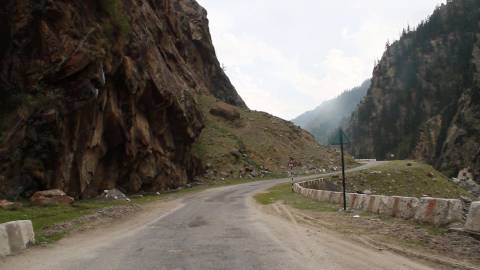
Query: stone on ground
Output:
(51,197)
(114,194)
(7,205)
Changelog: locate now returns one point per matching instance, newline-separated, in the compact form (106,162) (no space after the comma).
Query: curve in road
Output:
(220,228)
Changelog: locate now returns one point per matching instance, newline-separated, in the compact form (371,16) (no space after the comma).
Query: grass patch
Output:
(402,178)
(117,24)
(44,217)
(283,193)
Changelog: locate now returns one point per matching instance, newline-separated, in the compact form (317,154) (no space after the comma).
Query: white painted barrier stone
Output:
(326,195)
(455,211)
(473,219)
(385,205)
(425,210)
(405,207)
(15,237)
(19,235)
(4,243)
(439,211)
(336,197)
(373,205)
(26,229)
(351,198)
(360,202)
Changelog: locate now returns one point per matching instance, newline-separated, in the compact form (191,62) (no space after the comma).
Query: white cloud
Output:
(285,58)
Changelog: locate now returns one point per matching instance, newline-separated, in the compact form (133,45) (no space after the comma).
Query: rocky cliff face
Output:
(101,93)
(424,101)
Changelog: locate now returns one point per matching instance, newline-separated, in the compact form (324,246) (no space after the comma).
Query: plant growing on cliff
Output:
(117,24)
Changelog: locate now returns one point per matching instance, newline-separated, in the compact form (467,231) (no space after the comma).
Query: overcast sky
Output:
(286,57)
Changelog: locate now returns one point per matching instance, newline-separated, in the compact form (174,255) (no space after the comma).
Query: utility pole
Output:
(343,171)
(342,139)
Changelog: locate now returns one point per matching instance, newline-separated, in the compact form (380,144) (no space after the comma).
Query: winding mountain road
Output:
(220,228)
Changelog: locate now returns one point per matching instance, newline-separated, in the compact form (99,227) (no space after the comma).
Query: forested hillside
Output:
(424,101)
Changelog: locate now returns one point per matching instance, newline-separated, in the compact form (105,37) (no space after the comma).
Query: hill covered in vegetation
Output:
(424,101)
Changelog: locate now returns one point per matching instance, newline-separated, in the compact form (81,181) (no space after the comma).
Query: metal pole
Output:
(343,173)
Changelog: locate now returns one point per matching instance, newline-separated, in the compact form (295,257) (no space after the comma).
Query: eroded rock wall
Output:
(104,93)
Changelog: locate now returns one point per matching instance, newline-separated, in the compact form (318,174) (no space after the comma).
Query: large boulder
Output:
(225,111)
(51,197)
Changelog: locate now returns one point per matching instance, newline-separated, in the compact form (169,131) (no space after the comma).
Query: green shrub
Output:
(117,25)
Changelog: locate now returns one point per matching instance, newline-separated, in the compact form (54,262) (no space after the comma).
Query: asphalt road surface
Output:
(220,228)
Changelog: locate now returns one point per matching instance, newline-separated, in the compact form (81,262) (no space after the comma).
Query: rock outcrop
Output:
(425,93)
(101,94)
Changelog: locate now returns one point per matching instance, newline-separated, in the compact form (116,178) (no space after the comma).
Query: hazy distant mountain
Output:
(324,119)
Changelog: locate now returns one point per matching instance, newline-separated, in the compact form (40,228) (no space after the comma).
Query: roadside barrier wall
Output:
(427,210)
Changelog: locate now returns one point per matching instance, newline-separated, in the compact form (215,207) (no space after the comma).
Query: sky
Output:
(287,57)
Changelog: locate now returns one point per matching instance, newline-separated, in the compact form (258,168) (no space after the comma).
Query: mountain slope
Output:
(424,101)
(327,117)
(237,142)
(101,94)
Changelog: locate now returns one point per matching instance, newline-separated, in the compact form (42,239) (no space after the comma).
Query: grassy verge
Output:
(402,178)
(46,217)
(343,222)
(283,193)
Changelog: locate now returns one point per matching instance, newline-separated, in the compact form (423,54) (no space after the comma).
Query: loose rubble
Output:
(114,194)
